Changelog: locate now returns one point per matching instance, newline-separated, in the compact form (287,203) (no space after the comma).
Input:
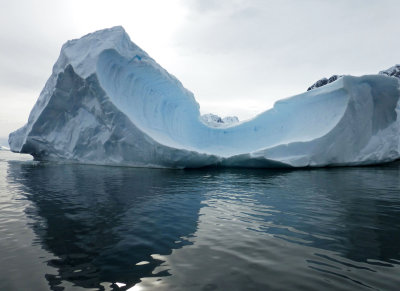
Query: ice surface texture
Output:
(107,102)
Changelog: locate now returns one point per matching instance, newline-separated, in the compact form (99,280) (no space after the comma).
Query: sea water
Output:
(82,227)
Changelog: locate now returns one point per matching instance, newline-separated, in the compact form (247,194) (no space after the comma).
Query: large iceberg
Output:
(107,102)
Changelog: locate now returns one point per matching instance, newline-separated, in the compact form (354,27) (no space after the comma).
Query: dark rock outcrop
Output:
(324,81)
(393,71)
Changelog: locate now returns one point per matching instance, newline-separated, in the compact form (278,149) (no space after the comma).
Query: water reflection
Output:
(100,222)
(353,211)
(216,229)
(302,230)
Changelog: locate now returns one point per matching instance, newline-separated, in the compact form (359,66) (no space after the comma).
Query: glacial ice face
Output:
(107,102)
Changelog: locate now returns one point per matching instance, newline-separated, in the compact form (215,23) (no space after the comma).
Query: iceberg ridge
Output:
(108,102)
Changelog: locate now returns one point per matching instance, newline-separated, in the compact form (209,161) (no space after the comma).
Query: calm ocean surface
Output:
(79,227)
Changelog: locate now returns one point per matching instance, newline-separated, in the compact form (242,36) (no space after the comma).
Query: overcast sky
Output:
(237,56)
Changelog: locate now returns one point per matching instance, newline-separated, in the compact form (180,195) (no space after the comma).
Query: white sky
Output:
(237,56)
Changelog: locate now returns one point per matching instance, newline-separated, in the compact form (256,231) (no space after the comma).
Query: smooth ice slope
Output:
(108,102)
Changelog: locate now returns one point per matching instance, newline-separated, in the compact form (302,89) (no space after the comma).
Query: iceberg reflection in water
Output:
(205,229)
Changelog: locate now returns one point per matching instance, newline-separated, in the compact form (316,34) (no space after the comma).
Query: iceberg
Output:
(108,102)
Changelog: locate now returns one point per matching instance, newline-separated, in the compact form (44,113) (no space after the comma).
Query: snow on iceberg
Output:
(107,102)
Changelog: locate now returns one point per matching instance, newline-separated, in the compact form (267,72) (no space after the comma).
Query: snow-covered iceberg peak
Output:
(108,102)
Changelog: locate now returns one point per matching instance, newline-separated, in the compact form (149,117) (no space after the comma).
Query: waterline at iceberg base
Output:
(107,102)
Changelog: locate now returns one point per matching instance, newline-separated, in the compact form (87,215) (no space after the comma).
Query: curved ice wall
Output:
(108,102)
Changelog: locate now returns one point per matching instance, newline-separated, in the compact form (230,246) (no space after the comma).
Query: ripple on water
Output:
(115,228)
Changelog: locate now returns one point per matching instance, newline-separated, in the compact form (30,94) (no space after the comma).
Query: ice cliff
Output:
(107,102)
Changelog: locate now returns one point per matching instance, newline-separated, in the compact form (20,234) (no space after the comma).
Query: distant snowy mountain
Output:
(216,121)
(108,102)
(392,72)
(230,120)
(324,81)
